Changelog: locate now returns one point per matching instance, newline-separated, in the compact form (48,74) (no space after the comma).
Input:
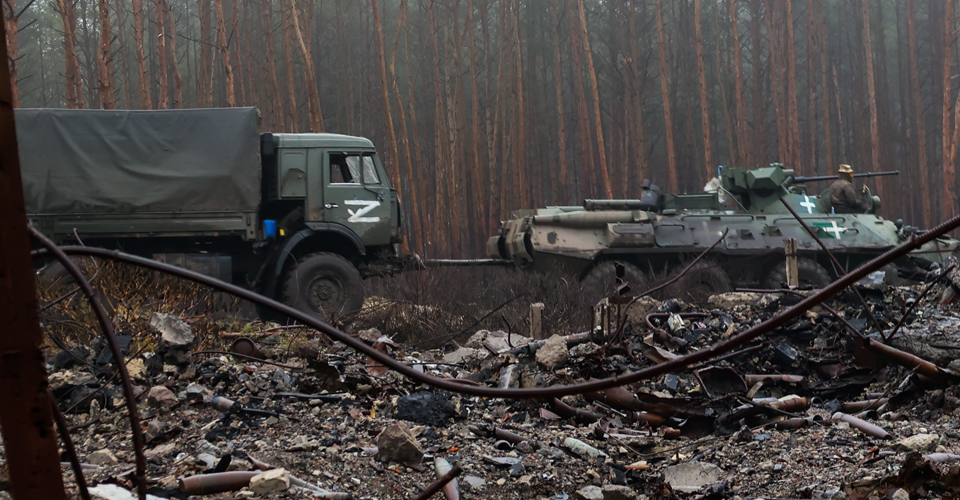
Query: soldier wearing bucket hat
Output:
(843,197)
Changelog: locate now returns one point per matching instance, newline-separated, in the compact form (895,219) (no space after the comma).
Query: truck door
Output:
(357,195)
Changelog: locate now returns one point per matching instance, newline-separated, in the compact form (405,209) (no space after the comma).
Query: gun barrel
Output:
(800,180)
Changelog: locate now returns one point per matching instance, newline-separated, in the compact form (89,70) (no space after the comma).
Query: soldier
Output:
(843,197)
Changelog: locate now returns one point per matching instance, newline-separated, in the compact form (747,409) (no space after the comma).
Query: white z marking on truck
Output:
(358,216)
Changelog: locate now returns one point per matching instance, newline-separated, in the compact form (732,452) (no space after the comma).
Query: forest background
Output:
(480,107)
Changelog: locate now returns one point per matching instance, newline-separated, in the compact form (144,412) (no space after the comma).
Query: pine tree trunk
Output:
(73,91)
(125,78)
(105,73)
(702,78)
(793,114)
(13,52)
(313,95)
(564,180)
(947,101)
(871,92)
(287,37)
(665,94)
(825,90)
(205,86)
(916,103)
(240,90)
(520,144)
(163,99)
(949,201)
(266,10)
(225,54)
(744,149)
(777,83)
(811,123)
(637,131)
(759,129)
(594,87)
(483,210)
(439,134)
(587,171)
(177,80)
(392,164)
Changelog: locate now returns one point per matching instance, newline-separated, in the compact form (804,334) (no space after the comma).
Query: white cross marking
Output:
(809,205)
(835,230)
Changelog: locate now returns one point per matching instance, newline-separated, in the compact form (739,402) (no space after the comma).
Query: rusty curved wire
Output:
(673,365)
(108,331)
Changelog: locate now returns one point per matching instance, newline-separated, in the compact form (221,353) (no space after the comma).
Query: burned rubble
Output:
(815,409)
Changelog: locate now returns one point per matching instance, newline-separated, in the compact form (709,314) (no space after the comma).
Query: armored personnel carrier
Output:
(660,233)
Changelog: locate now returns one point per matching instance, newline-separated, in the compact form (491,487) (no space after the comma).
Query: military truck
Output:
(660,232)
(298,217)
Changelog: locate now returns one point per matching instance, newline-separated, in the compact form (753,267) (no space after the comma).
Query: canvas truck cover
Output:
(118,162)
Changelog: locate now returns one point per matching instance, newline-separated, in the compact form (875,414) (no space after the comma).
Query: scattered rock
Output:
(475,482)
(397,444)
(900,494)
(114,492)
(161,397)
(173,331)
(154,429)
(461,355)
(918,443)
(583,350)
(426,408)
(102,457)
(137,370)
(553,354)
(370,335)
(270,481)
(496,339)
(589,493)
(690,477)
(732,299)
(616,492)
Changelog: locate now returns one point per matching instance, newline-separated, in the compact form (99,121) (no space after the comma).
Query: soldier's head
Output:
(845,172)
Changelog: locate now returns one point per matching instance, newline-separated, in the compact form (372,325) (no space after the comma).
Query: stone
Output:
(161,397)
(156,454)
(918,443)
(102,457)
(371,335)
(270,481)
(426,408)
(114,492)
(589,493)
(173,331)
(900,494)
(137,370)
(475,482)
(732,299)
(641,308)
(553,354)
(461,355)
(397,444)
(690,477)
(154,430)
(615,492)
(496,339)
(583,350)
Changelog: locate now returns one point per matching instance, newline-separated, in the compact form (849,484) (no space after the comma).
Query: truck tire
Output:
(601,281)
(324,285)
(704,279)
(811,274)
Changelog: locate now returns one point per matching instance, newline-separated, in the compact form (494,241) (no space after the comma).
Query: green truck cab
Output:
(302,218)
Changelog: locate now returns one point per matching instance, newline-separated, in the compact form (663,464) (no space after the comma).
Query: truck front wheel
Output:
(324,285)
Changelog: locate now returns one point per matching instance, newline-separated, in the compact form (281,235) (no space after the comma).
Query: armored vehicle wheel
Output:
(324,284)
(704,279)
(601,280)
(810,273)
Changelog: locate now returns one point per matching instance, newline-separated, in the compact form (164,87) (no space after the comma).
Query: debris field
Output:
(823,407)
